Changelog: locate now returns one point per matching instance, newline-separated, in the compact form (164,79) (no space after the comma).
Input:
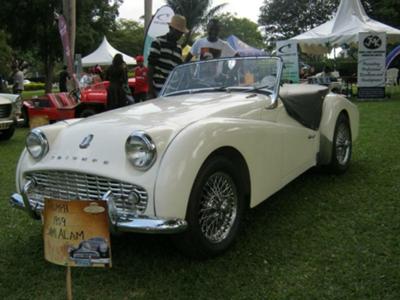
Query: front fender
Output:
(333,105)
(259,142)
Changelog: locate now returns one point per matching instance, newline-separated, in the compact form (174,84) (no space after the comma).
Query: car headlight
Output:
(37,144)
(140,150)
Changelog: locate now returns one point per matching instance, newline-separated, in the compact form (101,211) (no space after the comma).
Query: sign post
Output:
(288,51)
(76,234)
(371,65)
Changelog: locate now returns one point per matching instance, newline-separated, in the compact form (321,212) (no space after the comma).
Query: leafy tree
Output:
(289,18)
(243,28)
(5,56)
(128,37)
(385,11)
(31,25)
(196,12)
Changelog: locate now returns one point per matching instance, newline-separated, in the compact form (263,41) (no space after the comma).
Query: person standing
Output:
(18,78)
(63,77)
(212,46)
(116,75)
(165,55)
(141,80)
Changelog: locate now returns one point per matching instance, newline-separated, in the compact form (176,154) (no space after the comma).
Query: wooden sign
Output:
(76,233)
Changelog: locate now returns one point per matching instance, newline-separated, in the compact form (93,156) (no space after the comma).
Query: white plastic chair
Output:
(391,76)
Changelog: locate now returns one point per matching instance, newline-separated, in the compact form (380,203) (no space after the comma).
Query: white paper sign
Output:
(371,59)
(288,51)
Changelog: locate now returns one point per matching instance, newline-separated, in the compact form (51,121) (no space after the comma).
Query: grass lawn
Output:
(321,237)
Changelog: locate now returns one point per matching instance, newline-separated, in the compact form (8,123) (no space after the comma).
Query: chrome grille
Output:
(79,186)
(5,110)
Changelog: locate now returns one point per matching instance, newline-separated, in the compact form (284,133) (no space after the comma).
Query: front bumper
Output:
(8,123)
(141,223)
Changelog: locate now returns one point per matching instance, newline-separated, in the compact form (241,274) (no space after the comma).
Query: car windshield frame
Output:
(258,88)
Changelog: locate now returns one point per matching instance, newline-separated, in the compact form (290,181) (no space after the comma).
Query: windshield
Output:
(260,74)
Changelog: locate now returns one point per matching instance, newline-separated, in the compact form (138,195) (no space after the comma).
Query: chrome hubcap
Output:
(343,144)
(218,206)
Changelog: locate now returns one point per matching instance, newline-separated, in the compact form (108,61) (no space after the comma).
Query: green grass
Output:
(321,237)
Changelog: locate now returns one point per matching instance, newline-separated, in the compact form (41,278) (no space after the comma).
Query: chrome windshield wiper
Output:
(202,90)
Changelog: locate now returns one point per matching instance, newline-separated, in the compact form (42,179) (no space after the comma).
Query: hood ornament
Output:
(86,141)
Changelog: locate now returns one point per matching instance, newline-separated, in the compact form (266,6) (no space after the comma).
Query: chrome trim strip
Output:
(143,224)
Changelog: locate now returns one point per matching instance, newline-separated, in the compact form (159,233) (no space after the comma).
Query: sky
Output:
(134,9)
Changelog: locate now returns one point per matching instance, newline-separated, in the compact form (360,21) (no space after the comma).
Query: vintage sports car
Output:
(61,106)
(222,137)
(10,112)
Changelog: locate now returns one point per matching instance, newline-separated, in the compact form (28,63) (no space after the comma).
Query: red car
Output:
(61,106)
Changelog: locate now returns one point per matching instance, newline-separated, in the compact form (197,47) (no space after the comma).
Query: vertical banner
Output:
(371,65)
(158,26)
(62,28)
(76,233)
(288,51)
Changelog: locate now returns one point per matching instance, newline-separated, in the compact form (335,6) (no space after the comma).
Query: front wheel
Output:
(6,134)
(215,210)
(342,145)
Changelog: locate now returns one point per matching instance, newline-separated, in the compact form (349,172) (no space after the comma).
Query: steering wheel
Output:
(75,93)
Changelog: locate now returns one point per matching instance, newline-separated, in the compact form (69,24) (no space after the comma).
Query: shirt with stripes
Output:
(164,56)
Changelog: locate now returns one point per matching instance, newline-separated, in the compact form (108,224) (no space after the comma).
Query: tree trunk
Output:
(49,68)
(187,39)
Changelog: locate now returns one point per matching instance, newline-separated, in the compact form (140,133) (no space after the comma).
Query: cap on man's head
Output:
(139,58)
(178,22)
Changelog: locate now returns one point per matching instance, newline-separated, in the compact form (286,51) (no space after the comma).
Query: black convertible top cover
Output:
(303,102)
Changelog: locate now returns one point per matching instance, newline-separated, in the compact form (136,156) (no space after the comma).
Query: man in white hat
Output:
(165,55)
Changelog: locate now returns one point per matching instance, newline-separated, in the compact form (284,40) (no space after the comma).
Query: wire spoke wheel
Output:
(343,144)
(218,207)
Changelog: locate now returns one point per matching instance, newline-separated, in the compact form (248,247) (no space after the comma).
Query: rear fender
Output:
(333,106)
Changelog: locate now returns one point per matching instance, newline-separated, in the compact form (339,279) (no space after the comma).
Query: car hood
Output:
(161,118)
(8,98)
(173,112)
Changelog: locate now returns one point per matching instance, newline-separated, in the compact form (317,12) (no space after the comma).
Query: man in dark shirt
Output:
(63,79)
(165,55)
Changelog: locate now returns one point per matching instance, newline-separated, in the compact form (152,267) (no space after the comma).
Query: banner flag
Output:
(158,26)
(288,51)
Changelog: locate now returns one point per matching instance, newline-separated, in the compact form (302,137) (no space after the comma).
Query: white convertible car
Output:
(223,136)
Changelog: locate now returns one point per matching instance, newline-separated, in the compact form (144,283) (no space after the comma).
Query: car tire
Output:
(25,116)
(87,112)
(341,146)
(215,210)
(6,134)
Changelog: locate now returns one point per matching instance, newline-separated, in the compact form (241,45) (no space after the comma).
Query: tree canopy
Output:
(127,37)
(196,12)
(31,26)
(288,18)
(243,28)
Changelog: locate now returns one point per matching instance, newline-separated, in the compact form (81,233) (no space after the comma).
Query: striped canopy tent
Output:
(343,29)
(104,55)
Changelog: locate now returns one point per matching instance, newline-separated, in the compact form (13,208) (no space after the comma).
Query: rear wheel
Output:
(342,145)
(6,134)
(215,209)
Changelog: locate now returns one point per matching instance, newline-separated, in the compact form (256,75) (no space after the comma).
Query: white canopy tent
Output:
(343,28)
(104,55)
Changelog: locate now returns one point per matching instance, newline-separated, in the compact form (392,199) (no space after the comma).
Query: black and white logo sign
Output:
(372,42)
